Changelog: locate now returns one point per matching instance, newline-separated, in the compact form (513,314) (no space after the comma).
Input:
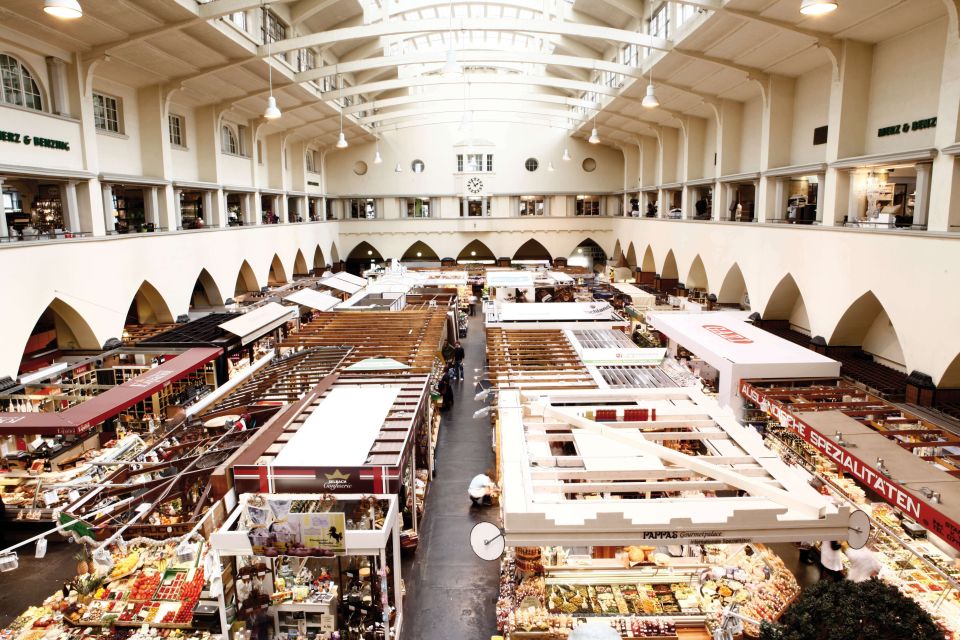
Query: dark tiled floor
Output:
(35,579)
(451,594)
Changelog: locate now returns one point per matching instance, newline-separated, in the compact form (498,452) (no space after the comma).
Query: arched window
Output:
(228,140)
(19,87)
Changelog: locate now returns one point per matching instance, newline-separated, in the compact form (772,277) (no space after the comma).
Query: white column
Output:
(780,199)
(71,207)
(304,208)
(821,177)
(257,208)
(281,208)
(109,214)
(3,217)
(151,206)
(207,209)
(921,203)
(718,201)
(464,207)
(177,222)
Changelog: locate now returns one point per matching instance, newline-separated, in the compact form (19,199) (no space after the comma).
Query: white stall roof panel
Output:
(340,284)
(554,311)
(509,279)
(259,322)
(342,430)
(560,277)
(313,299)
(727,336)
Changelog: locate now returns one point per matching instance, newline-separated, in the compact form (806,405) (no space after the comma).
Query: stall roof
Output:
(339,283)
(377,364)
(638,297)
(539,312)
(313,299)
(82,417)
(511,278)
(259,322)
(560,277)
(305,447)
(202,331)
(691,473)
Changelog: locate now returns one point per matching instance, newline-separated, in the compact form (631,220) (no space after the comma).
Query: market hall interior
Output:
(169,166)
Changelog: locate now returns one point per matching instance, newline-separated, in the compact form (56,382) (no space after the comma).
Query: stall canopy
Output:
(512,278)
(738,350)
(313,299)
(345,282)
(554,315)
(259,322)
(615,467)
(377,364)
(638,297)
(82,417)
(560,277)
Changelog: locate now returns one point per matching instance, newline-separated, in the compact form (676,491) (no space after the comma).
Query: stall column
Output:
(151,207)
(3,217)
(820,198)
(397,595)
(109,214)
(780,199)
(178,207)
(413,488)
(921,203)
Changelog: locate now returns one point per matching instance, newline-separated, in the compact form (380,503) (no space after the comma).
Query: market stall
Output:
(319,563)
(635,505)
(731,350)
(552,315)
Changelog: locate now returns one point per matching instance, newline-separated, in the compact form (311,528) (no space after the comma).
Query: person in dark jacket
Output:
(458,356)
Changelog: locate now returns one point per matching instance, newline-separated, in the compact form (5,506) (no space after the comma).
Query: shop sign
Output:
(622,357)
(300,479)
(36,141)
(907,127)
(727,334)
(313,183)
(276,531)
(336,481)
(693,537)
(890,491)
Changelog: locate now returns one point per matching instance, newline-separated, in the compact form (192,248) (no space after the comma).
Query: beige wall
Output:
(810,110)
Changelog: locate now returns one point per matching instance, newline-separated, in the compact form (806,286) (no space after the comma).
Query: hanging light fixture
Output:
(377,159)
(817,7)
(342,139)
(272,112)
(650,100)
(550,166)
(566,154)
(451,68)
(63,9)
(594,136)
(398,168)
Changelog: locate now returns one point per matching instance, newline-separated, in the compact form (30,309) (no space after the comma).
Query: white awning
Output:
(339,283)
(560,277)
(377,364)
(512,278)
(259,322)
(349,277)
(313,299)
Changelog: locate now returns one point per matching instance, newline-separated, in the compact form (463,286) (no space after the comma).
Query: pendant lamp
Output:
(377,158)
(272,112)
(566,154)
(594,136)
(64,9)
(342,139)
(817,7)
(398,168)
(650,100)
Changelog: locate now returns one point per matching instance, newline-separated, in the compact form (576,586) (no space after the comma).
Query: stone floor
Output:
(451,593)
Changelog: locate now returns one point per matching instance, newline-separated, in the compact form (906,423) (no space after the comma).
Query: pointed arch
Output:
(365,252)
(866,324)
(148,306)
(786,303)
(669,269)
(319,262)
(59,327)
(246,280)
(300,265)
(532,250)
(420,251)
(206,293)
(733,289)
(617,253)
(277,274)
(474,251)
(951,377)
(631,255)
(697,275)
(334,254)
(648,265)
(588,253)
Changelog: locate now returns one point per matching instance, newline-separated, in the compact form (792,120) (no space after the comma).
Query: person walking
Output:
(458,355)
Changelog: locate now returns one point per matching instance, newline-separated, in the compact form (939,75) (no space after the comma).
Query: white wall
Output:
(750,130)
(810,107)
(881,340)
(905,86)
(120,153)
(185,160)
(710,148)
(511,146)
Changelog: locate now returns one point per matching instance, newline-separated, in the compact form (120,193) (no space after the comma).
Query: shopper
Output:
(481,489)
(473,304)
(458,356)
(831,561)
(863,564)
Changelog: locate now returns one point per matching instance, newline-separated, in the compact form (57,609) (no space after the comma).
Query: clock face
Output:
(475,185)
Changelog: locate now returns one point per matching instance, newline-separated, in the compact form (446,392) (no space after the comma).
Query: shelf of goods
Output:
(33,496)
(144,587)
(916,566)
(682,599)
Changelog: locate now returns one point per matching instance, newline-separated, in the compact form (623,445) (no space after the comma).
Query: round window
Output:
(589,164)
(360,167)
(531,164)
(417,166)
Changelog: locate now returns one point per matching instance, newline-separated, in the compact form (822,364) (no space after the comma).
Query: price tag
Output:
(74,495)
(327,623)
(50,498)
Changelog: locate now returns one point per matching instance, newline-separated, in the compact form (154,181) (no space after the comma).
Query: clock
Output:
(474,185)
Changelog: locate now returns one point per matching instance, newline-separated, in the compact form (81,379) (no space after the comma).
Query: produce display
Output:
(645,601)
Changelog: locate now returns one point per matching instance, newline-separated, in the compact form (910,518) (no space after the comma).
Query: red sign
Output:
(895,495)
(727,334)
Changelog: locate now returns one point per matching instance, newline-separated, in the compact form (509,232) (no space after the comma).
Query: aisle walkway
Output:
(451,594)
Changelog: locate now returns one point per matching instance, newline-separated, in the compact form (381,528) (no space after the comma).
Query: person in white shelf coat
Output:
(831,561)
(481,489)
(863,564)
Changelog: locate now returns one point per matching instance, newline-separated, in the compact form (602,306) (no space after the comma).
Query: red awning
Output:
(82,417)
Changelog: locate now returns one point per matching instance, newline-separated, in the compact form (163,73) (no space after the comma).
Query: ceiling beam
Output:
(220,8)
(545,98)
(425,109)
(753,73)
(632,8)
(381,29)
(306,9)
